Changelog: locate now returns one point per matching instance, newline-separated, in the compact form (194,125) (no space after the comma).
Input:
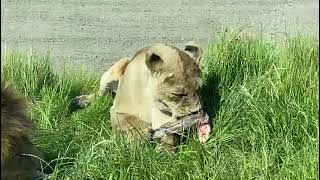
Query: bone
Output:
(177,127)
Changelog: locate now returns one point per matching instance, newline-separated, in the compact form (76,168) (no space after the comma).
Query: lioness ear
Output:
(194,50)
(153,62)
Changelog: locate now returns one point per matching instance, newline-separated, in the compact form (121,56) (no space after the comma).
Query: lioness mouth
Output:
(190,114)
(166,112)
(184,123)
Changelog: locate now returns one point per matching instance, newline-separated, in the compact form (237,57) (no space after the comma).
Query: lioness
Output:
(159,86)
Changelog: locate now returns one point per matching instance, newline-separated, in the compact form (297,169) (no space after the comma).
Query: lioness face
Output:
(176,81)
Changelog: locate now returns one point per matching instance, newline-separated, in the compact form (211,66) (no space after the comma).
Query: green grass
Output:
(263,97)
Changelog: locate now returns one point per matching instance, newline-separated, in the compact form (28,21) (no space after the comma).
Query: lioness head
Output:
(176,82)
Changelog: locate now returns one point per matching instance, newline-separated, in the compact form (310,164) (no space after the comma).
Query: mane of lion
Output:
(15,124)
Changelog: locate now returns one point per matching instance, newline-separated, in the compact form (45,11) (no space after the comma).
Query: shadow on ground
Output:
(211,96)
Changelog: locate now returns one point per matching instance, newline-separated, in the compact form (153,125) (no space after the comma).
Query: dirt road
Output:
(98,32)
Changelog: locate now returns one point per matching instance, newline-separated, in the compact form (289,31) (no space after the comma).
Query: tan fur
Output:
(16,130)
(159,85)
(109,80)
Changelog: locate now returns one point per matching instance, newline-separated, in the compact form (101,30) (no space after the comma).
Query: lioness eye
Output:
(179,94)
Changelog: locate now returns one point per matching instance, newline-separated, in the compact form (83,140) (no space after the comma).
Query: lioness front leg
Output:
(132,126)
(168,143)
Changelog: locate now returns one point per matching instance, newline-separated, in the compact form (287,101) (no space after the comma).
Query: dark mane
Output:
(15,124)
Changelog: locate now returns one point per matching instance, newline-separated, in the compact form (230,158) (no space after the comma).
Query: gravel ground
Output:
(96,33)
